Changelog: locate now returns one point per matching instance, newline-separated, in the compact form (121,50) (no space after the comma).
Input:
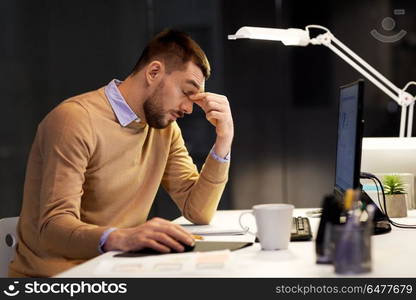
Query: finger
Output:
(149,243)
(218,99)
(198,96)
(201,98)
(214,106)
(172,229)
(166,240)
(142,239)
(178,234)
(201,104)
(183,230)
(206,96)
(214,115)
(210,105)
(159,220)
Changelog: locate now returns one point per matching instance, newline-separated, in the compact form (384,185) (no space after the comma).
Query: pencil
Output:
(197,237)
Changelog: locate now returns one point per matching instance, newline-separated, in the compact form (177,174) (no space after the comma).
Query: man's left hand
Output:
(218,113)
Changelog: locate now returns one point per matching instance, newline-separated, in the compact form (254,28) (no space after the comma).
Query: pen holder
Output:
(326,248)
(352,251)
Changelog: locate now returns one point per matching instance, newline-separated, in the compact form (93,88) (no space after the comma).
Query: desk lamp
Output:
(301,37)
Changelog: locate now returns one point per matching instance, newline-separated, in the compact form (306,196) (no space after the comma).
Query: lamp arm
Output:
(366,65)
(326,39)
(370,77)
(409,120)
(403,98)
(411,108)
(377,83)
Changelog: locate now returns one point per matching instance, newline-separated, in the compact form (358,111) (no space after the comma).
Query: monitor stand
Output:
(381,223)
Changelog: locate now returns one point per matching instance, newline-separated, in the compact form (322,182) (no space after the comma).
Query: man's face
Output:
(170,99)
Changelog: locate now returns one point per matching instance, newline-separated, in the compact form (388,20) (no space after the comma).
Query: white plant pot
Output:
(396,206)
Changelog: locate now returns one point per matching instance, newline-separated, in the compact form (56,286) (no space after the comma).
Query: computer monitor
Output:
(349,144)
(350,130)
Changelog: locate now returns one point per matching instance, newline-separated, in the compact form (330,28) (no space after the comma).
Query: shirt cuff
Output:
(219,158)
(104,238)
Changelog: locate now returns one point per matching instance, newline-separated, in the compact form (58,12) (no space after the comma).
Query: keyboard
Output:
(301,229)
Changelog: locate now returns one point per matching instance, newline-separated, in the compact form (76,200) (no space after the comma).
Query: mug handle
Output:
(246,228)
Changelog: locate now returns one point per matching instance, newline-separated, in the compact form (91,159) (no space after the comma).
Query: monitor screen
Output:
(347,170)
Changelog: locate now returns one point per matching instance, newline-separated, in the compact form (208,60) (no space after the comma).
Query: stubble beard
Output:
(153,109)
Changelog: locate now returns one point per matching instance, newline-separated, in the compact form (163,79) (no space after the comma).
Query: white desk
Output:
(393,255)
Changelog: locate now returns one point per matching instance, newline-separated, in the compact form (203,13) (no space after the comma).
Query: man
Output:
(98,159)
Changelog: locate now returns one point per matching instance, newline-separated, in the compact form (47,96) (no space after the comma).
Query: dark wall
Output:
(256,80)
(52,50)
(284,99)
(286,132)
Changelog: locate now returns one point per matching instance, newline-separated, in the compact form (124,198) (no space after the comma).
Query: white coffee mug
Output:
(274,224)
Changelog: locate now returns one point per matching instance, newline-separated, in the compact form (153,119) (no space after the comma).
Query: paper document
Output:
(185,264)
(213,230)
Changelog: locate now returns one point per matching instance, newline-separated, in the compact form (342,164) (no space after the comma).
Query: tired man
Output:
(98,159)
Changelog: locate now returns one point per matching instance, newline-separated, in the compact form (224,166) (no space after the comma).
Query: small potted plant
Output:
(395,196)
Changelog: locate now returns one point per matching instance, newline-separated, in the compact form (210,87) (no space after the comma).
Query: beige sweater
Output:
(87,173)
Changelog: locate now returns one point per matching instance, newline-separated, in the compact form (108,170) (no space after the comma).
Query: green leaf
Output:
(393,185)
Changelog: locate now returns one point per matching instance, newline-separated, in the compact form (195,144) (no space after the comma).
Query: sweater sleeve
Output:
(65,141)
(196,194)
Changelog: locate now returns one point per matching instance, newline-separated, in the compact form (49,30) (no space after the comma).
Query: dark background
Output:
(284,99)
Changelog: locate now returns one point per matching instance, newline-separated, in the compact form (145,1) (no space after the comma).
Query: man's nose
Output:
(187,106)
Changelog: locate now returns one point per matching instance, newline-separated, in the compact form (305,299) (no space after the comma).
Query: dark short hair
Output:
(175,49)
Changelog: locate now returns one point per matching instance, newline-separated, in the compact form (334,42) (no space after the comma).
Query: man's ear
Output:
(154,71)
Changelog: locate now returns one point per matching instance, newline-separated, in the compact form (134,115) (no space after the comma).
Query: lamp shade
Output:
(289,37)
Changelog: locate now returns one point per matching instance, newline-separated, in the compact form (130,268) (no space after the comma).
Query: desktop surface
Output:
(393,255)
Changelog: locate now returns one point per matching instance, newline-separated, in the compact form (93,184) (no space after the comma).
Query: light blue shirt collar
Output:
(124,113)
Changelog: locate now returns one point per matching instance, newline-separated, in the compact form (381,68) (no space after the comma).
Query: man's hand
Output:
(218,113)
(158,234)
